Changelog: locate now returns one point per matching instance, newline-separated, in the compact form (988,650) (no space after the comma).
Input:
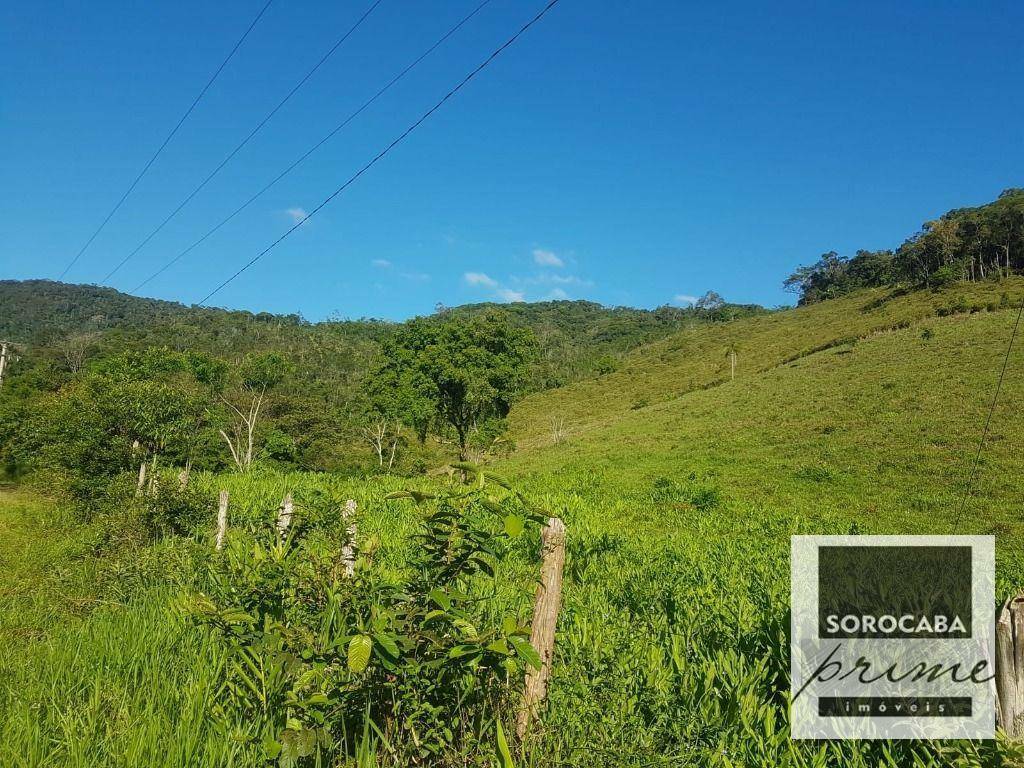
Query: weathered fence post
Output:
(142,479)
(222,520)
(1010,667)
(546,605)
(284,515)
(348,549)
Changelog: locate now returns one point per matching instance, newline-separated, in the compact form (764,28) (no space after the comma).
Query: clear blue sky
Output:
(626,152)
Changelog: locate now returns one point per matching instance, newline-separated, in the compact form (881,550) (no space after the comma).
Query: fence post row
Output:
(547,603)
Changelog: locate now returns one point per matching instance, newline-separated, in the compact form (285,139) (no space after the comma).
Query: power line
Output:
(972,477)
(316,146)
(170,136)
(244,141)
(384,151)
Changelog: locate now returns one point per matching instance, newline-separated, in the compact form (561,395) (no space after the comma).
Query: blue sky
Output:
(627,152)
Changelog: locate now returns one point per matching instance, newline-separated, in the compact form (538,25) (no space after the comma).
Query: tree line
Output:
(229,389)
(965,244)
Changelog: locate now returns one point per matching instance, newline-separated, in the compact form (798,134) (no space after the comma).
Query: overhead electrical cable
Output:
(244,141)
(315,147)
(166,141)
(973,474)
(352,179)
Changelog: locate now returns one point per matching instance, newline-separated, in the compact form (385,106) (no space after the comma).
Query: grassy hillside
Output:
(698,358)
(861,414)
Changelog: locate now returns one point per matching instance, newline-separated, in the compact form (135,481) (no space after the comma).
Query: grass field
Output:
(680,489)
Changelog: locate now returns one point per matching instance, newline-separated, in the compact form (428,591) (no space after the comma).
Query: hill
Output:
(700,358)
(680,486)
(319,412)
(577,338)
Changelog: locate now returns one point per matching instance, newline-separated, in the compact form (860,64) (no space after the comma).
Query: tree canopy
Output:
(964,244)
(456,374)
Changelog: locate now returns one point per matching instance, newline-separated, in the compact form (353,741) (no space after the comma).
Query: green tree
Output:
(457,372)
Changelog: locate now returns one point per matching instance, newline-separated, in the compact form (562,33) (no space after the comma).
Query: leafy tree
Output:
(136,406)
(457,372)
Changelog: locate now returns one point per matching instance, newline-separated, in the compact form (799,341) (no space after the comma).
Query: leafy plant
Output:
(423,664)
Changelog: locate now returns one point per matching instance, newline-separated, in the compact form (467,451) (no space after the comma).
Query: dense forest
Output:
(965,244)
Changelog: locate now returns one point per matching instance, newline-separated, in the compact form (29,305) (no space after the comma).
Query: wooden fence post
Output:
(546,605)
(284,515)
(142,478)
(1010,667)
(222,520)
(348,549)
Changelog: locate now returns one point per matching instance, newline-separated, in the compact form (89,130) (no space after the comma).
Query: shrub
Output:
(324,665)
(697,492)
(171,509)
(606,364)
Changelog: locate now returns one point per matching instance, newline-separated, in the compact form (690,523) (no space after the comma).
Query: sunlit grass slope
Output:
(878,426)
(697,359)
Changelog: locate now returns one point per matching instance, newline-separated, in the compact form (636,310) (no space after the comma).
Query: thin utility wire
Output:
(170,136)
(244,141)
(972,477)
(315,147)
(383,152)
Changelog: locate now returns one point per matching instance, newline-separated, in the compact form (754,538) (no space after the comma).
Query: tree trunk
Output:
(546,605)
(348,549)
(152,475)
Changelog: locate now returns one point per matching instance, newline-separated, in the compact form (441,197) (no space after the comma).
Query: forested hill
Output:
(962,245)
(577,338)
(320,411)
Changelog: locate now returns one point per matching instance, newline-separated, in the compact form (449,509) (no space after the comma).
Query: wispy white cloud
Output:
(507,294)
(547,258)
(419,277)
(296,214)
(557,294)
(381,263)
(479,278)
(682,298)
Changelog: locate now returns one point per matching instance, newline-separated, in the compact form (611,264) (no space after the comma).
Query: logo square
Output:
(893,637)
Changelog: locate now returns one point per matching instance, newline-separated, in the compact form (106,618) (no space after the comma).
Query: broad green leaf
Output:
(509,625)
(526,651)
(440,598)
(271,747)
(359,653)
(514,525)
(463,650)
(387,644)
(467,629)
